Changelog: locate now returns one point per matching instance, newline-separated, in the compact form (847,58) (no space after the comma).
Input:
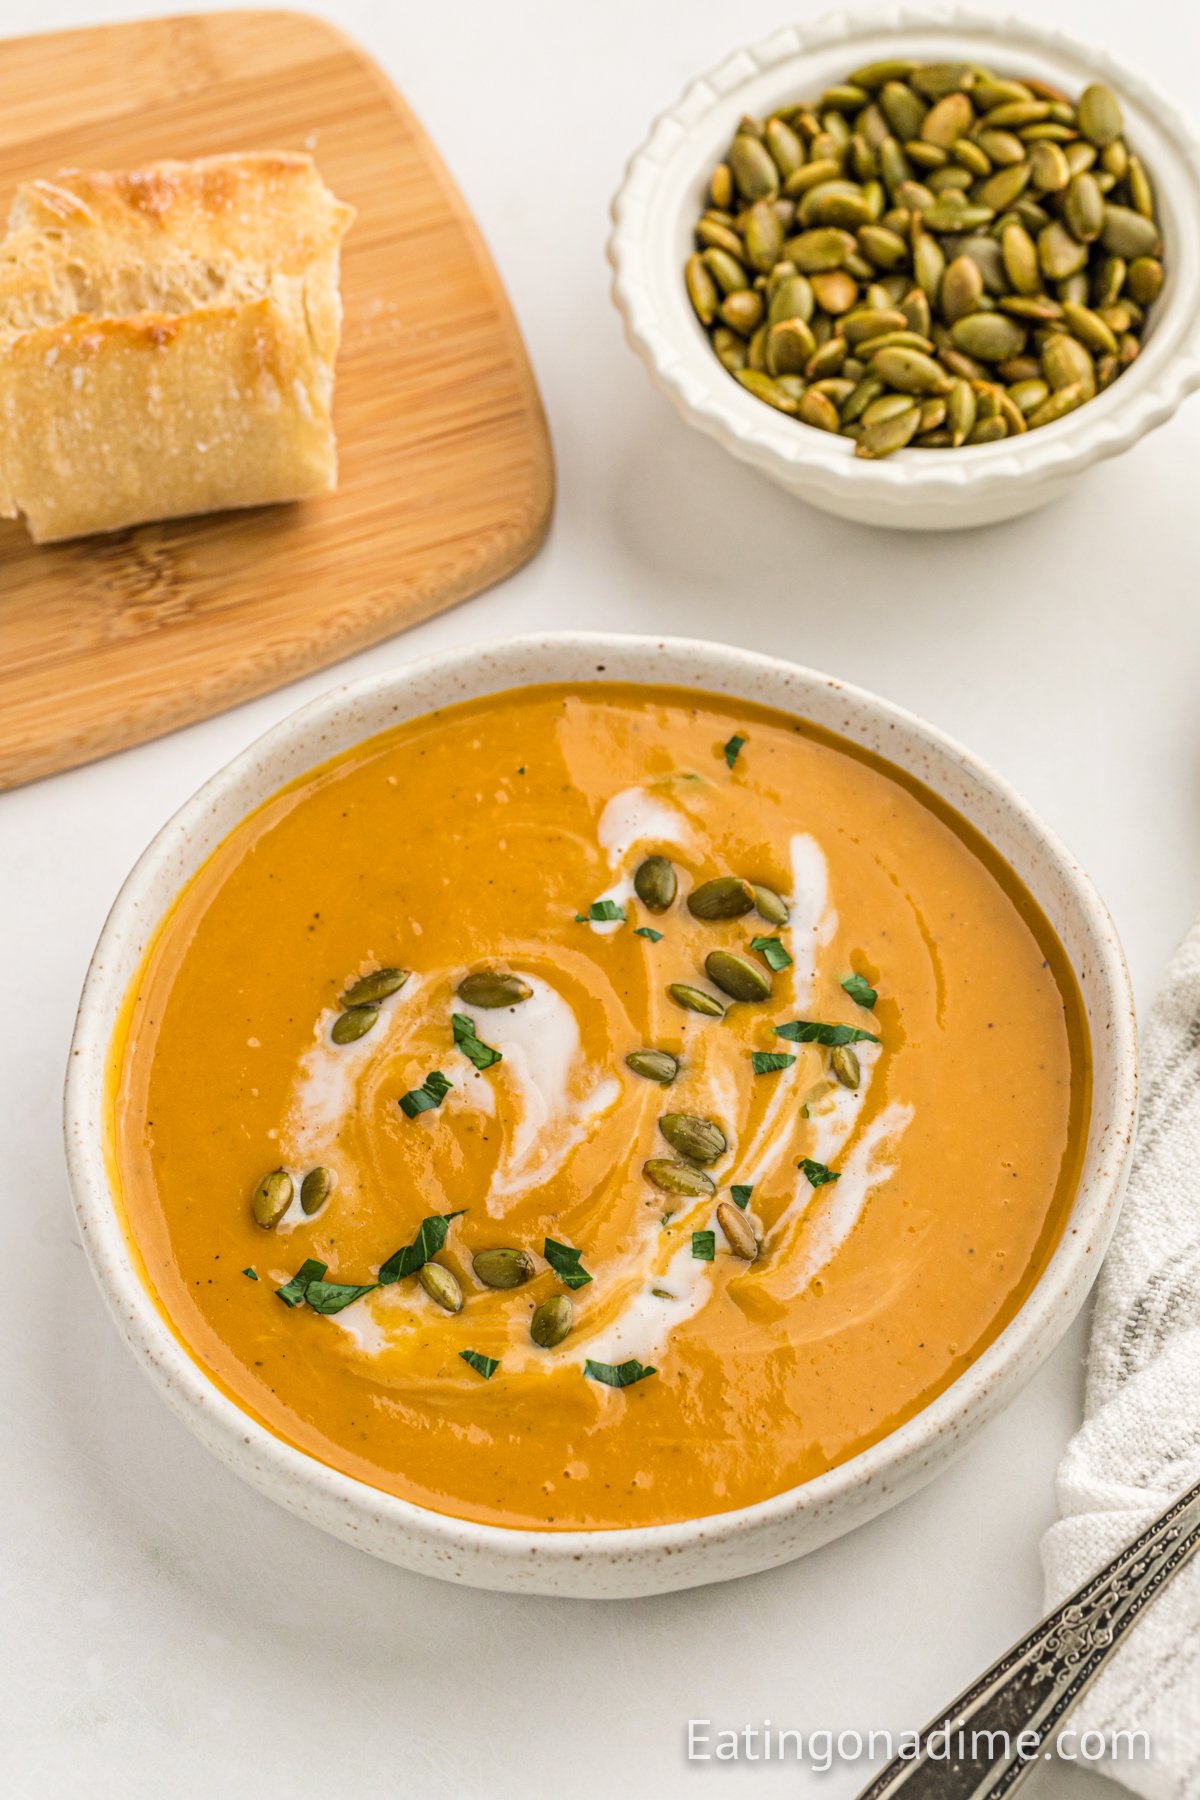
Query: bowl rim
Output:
(336,1500)
(1137,403)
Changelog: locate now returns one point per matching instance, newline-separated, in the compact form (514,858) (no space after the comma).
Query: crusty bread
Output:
(167,342)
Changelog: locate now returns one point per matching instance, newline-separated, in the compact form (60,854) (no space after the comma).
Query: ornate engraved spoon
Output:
(1008,1716)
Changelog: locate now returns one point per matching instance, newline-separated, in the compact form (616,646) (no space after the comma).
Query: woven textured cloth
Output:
(1139,1445)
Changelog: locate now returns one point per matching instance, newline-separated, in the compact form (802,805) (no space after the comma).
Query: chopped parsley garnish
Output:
(601,912)
(765,1062)
(292,1292)
(648,931)
(773,951)
(816,1173)
(566,1263)
(810,1031)
(481,1054)
(860,989)
(331,1296)
(740,1194)
(427,1243)
(252,1273)
(704,1245)
(431,1093)
(732,749)
(482,1365)
(617,1375)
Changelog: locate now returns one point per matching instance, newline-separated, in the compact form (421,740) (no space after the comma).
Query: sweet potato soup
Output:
(596,1106)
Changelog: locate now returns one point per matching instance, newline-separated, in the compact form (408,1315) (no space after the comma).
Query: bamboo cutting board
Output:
(446,480)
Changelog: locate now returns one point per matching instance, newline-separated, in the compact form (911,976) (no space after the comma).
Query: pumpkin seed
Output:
(1049,170)
(989,337)
(655,883)
(1090,329)
(699,1140)
(694,999)
(720,186)
(353,1024)
(844,1063)
(441,1284)
(738,1230)
(316,1188)
(962,288)
(911,372)
(736,976)
(785,146)
(1145,279)
(702,289)
(677,1177)
(724,897)
(889,435)
(552,1321)
(1083,207)
(765,387)
(819,410)
(769,906)
(1099,114)
(1128,233)
(823,248)
(1066,364)
(491,988)
(369,990)
(503,1268)
(1061,402)
(653,1065)
(271,1199)
(753,168)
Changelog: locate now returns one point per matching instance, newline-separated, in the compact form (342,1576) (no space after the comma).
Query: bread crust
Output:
(167,342)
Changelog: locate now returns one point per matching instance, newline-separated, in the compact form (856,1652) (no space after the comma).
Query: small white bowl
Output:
(917,490)
(646,1560)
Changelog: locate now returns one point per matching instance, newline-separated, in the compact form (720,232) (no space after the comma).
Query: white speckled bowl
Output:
(917,490)
(651,1560)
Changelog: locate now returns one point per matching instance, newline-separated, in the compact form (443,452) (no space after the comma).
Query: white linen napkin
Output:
(1139,1445)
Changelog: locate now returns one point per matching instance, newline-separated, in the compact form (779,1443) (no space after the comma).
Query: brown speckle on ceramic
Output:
(610,1564)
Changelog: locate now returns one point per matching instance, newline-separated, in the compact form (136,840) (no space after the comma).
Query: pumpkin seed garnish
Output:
(552,1321)
(354,1023)
(724,897)
(677,1177)
(316,1188)
(503,1268)
(700,1140)
(653,1065)
(770,906)
(736,976)
(740,1234)
(489,988)
(844,1064)
(655,883)
(441,1285)
(694,999)
(271,1199)
(369,990)
(923,226)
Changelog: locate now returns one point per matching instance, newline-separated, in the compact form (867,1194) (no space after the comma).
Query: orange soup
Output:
(596,1106)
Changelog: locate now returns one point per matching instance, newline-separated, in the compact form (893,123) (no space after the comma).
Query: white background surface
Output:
(172,1634)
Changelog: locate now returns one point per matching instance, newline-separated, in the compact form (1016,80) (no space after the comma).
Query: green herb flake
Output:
(648,931)
(704,1245)
(481,1054)
(566,1263)
(773,951)
(733,748)
(766,1062)
(816,1173)
(740,1195)
(617,1375)
(860,990)
(431,1093)
(428,1241)
(601,912)
(292,1292)
(251,1274)
(482,1365)
(331,1296)
(810,1031)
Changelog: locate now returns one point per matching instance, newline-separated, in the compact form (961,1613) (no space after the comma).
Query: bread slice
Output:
(167,342)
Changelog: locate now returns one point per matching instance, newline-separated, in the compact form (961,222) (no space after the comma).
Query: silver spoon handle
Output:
(1006,1717)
